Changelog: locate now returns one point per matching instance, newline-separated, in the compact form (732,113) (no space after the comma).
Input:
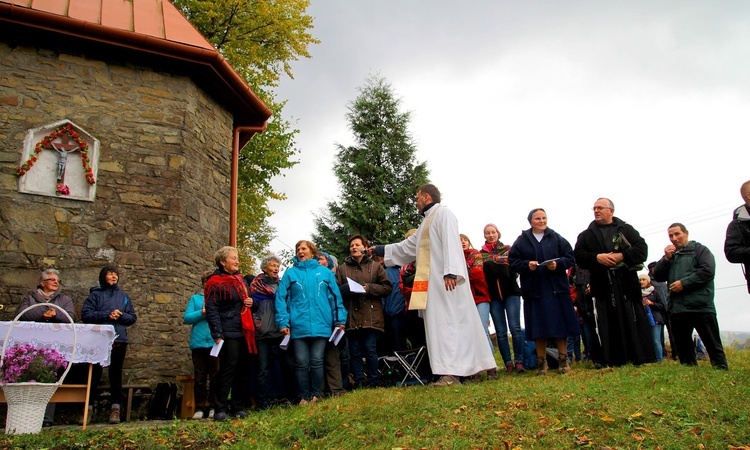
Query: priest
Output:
(456,343)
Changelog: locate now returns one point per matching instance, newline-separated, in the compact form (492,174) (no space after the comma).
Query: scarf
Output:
(495,252)
(47,296)
(222,287)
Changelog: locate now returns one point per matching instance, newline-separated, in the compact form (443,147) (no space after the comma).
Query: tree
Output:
(377,177)
(259,38)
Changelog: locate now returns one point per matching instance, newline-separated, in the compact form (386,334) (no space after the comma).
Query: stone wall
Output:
(162,201)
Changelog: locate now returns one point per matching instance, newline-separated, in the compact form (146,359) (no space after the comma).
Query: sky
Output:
(551,104)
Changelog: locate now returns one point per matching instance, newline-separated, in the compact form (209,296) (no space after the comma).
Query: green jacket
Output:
(695,266)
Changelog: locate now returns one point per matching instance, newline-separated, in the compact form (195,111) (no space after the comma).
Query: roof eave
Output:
(212,59)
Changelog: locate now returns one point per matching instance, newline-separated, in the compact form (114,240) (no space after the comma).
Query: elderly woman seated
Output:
(48,291)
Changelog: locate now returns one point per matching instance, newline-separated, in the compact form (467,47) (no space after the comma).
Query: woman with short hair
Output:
(47,291)
(308,307)
(226,296)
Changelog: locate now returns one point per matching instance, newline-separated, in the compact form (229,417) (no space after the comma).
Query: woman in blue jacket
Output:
(308,307)
(542,257)
(205,366)
(107,304)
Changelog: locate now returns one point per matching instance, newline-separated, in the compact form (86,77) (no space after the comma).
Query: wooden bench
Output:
(133,390)
(187,408)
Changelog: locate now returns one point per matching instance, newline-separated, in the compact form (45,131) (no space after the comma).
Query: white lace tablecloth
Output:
(93,342)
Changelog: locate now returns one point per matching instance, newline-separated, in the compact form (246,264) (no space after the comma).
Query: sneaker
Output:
(519,367)
(198,415)
(211,413)
(509,368)
(220,416)
(303,402)
(446,380)
(114,416)
(241,414)
(314,399)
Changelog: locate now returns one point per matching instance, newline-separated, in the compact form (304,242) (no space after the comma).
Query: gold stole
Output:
(421,277)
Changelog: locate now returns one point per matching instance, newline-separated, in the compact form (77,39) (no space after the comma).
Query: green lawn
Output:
(664,406)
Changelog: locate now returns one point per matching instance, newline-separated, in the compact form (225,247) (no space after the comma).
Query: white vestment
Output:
(456,341)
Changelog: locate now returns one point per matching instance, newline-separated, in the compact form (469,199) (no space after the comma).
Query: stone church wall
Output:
(162,195)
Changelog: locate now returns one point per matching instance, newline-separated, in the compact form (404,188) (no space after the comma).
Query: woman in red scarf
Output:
(227,300)
(506,298)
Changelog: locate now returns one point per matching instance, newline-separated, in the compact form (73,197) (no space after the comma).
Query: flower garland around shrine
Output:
(46,142)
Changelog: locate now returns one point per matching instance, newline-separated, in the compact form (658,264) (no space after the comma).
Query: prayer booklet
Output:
(336,336)
(355,287)
(285,342)
(216,348)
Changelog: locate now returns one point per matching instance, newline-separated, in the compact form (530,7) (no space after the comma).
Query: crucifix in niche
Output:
(63,148)
(71,173)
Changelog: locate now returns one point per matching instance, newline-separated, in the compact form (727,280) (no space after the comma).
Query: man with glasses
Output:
(48,291)
(613,252)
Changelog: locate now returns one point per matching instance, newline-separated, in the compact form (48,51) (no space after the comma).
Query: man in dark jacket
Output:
(737,243)
(689,268)
(613,252)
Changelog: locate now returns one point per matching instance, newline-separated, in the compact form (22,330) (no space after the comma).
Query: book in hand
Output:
(544,263)
(336,336)
(216,349)
(285,342)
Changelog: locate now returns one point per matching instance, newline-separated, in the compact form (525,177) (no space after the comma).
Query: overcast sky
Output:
(551,104)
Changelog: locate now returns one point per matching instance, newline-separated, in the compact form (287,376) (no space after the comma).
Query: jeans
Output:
(574,347)
(484,315)
(510,308)
(657,331)
(395,333)
(308,360)
(363,343)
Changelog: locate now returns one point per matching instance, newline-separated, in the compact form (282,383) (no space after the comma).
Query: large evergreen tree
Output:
(259,38)
(377,177)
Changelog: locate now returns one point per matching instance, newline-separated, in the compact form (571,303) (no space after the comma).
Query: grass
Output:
(665,406)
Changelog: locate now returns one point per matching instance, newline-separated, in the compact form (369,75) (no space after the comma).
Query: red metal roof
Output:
(151,26)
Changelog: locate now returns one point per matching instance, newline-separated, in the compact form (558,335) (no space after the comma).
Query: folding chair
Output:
(388,368)
(409,361)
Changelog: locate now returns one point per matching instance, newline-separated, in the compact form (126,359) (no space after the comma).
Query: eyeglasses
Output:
(54,280)
(600,208)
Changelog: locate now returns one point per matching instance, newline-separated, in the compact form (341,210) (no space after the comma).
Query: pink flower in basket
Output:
(26,363)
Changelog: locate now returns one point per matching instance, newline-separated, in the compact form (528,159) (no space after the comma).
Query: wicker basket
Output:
(27,401)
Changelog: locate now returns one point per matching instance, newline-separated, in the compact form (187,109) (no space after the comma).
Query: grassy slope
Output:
(654,406)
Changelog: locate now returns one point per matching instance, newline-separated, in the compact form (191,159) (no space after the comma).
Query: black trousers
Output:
(707,327)
(233,362)
(117,361)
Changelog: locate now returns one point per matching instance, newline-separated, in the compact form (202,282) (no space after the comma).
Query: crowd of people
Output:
(435,289)
(322,327)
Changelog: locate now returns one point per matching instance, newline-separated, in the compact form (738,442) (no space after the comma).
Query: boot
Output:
(564,364)
(114,416)
(541,365)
